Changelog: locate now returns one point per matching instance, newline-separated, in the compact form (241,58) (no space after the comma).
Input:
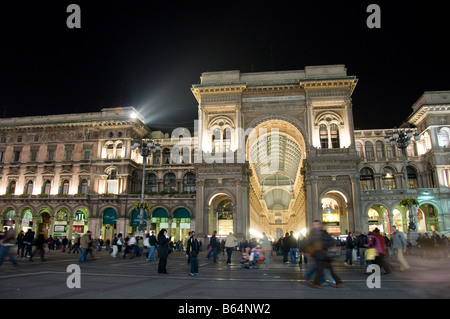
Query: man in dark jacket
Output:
(193,248)
(349,251)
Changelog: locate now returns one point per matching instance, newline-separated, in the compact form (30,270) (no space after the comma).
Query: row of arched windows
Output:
(169,183)
(379,149)
(47,187)
(387,178)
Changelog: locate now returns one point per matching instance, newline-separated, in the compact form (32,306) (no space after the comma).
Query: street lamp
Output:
(145,148)
(402,138)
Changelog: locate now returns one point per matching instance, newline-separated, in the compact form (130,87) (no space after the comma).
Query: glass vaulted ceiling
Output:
(276,161)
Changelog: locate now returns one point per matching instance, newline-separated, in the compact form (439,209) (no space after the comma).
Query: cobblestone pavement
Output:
(106,277)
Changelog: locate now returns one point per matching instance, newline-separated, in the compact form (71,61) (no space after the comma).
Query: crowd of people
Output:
(319,247)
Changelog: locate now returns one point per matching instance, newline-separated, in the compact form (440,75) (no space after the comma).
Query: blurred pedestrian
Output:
(377,241)
(39,246)
(163,250)
(115,248)
(20,244)
(229,246)
(7,242)
(293,247)
(214,246)
(399,244)
(28,242)
(193,246)
(302,256)
(320,242)
(285,248)
(85,244)
(266,247)
(361,243)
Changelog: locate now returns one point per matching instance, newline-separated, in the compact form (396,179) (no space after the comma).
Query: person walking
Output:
(163,251)
(349,250)
(293,248)
(302,256)
(115,249)
(320,242)
(361,243)
(85,244)
(152,245)
(266,247)
(20,244)
(39,246)
(214,246)
(377,241)
(6,243)
(229,246)
(193,247)
(28,242)
(285,248)
(399,245)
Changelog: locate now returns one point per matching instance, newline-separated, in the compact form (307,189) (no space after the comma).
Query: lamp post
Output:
(402,138)
(145,148)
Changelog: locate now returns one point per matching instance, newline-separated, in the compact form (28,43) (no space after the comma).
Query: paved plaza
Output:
(106,277)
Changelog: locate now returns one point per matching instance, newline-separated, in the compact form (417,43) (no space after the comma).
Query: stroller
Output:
(250,258)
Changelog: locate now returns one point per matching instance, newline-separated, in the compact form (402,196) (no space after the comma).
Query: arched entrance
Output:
(135,220)
(9,214)
(221,217)
(80,222)
(181,223)
(427,216)
(43,221)
(108,228)
(275,151)
(26,220)
(378,217)
(160,220)
(60,224)
(335,212)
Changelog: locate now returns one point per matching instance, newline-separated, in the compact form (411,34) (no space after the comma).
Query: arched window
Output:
(12,187)
(444,140)
(47,187)
(359,149)
(166,156)
(189,182)
(84,187)
(334,134)
(412,177)
(65,187)
(150,183)
(380,149)
(369,150)
(323,132)
(29,189)
(170,182)
(366,179)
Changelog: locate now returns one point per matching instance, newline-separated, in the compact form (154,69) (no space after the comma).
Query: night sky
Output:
(147,54)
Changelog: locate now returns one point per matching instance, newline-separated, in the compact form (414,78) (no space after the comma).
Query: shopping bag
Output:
(371,253)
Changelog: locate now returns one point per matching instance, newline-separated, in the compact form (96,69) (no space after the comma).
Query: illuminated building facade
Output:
(271,152)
